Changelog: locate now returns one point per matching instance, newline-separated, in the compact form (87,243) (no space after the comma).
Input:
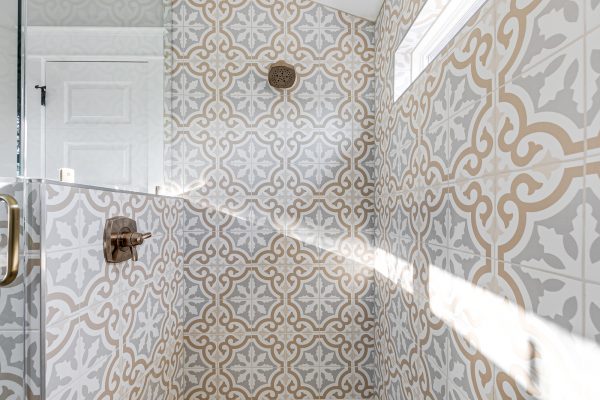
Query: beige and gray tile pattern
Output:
(112,331)
(487,168)
(278,293)
(20,314)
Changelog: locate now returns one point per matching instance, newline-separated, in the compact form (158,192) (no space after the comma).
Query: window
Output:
(438,22)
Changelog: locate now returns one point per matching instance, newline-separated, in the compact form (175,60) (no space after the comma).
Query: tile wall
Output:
(487,282)
(112,331)
(20,314)
(278,185)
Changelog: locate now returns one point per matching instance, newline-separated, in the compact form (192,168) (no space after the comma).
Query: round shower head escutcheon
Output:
(282,75)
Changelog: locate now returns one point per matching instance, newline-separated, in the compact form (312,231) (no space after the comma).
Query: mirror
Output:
(95,92)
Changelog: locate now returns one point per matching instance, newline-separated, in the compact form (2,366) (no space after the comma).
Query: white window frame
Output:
(436,25)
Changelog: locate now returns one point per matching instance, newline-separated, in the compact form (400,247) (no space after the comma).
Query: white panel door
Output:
(97,117)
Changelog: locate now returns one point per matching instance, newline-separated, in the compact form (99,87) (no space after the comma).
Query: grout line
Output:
(527,267)
(585,173)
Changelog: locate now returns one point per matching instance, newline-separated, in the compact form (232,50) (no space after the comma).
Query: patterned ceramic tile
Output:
(323,95)
(364,94)
(318,33)
(324,223)
(403,150)
(436,141)
(463,359)
(550,95)
(33,357)
(507,94)
(117,327)
(591,257)
(365,366)
(200,298)
(252,30)
(193,33)
(246,96)
(528,33)
(279,185)
(320,366)
(438,211)
(253,366)
(466,233)
(12,303)
(471,140)
(20,301)
(592,312)
(436,356)
(591,12)
(549,296)
(364,40)
(592,71)
(202,352)
(252,299)
(253,162)
(248,242)
(62,228)
(319,298)
(552,236)
(189,94)
(320,161)
(364,162)
(201,384)
(13,361)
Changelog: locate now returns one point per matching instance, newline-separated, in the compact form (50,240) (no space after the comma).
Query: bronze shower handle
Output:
(121,240)
(130,240)
(12,265)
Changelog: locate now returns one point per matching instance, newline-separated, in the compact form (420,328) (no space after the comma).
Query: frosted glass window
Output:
(438,22)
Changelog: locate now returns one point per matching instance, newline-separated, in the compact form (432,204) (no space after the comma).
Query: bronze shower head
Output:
(282,75)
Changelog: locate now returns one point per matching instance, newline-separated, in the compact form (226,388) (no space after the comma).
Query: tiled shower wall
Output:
(111,330)
(20,353)
(488,169)
(278,187)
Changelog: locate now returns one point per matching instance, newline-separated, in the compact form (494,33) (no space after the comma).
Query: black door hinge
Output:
(43,93)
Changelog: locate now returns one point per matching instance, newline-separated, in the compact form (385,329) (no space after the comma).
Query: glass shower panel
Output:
(95,88)
(13,323)
(19,334)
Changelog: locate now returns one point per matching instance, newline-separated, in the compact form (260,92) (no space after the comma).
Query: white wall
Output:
(8,88)
(132,13)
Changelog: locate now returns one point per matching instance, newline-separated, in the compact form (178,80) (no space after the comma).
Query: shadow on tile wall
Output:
(487,281)
(278,188)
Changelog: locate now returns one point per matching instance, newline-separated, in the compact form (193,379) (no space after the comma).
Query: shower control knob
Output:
(130,240)
(121,240)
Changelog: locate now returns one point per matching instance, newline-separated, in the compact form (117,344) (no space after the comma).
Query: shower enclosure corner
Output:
(20,271)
